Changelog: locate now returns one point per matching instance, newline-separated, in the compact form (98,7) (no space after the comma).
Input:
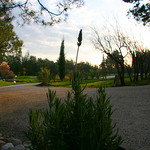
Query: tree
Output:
(139,54)
(9,41)
(38,10)
(113,46)
(15,64)
(62,63)
(147,63)
(111,66)
(140,11)
(103,68)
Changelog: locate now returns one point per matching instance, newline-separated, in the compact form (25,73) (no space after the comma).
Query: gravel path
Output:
(131,104)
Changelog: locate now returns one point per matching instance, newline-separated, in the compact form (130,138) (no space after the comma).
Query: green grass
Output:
(27,79)
(3,83)
(95,83)
(140,82)
(98,83)
(61,83)
(20,80)
(92,83)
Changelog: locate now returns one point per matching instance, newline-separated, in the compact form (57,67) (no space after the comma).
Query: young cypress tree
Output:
(62,62)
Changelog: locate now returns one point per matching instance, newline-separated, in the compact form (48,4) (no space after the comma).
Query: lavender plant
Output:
(77,122)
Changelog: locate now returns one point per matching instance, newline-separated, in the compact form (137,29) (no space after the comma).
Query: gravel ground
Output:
(131,105)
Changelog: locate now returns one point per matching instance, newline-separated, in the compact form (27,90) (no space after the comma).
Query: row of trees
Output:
(125,54)
(30,65)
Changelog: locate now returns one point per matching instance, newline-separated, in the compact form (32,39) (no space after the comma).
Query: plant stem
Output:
(77,58)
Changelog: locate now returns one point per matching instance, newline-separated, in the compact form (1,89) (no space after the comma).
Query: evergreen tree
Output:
(62,63)
(9,41)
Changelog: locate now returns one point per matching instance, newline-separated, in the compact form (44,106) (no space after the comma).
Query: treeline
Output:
(139,68)
(30,66)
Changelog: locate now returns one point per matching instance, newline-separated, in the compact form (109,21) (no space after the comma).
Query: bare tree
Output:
(112,44)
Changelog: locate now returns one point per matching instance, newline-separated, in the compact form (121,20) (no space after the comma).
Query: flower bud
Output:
(79,38)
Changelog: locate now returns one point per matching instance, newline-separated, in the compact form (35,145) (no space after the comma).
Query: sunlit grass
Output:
(20,80)
(91,83)
(27,79)
(61,83)
(140,82)
(97,84)
(3,83)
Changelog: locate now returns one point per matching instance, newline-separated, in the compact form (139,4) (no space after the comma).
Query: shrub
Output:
(44,76)
(5,72)
(75,123)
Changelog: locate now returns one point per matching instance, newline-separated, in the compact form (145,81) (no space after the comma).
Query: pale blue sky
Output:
(45,42)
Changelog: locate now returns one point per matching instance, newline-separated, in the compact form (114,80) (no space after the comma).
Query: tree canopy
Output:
(36,10)
(9,41)
(140,11)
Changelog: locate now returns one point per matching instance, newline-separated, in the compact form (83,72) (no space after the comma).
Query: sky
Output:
(45,41)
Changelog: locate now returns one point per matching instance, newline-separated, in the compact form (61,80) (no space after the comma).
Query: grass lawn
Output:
(95,83)
(3,83)
(27,79)
(20,80)
(92,83)
(140,82)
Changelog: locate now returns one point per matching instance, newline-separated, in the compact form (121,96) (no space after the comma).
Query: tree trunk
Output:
(122,76)
(129,73)
(141,71)
(145,75)
(141,67)
(134,67)
(137,68)
(120,69)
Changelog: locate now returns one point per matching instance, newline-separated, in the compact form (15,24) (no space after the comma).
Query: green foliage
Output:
(62,63)
(77,122)
(140,11)
(44,76)
(30,66)
(9,41)
(20,80)
(38,14)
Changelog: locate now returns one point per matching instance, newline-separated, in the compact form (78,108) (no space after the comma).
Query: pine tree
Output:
(9,41)
(62,63)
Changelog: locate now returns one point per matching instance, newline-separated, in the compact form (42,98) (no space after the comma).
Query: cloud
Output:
(45,42)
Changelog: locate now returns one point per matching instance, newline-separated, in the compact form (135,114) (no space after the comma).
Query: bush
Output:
(75,123)
(5,72)
(44,76)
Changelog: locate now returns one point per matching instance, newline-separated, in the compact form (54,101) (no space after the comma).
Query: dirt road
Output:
(131,104)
